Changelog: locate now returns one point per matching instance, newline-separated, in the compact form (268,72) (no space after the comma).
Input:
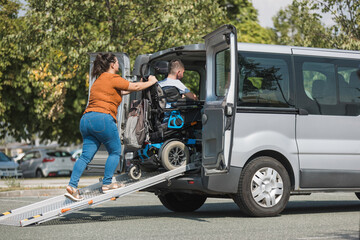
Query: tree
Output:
(244,17)
(300,24)
(16,94)
(44,88)
(346,15)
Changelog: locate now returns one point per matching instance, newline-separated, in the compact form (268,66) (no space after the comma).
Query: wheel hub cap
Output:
(267,187)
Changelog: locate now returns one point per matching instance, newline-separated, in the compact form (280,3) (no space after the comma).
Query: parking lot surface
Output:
(141,216)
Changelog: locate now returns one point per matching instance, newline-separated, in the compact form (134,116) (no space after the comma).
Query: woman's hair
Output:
(102,63)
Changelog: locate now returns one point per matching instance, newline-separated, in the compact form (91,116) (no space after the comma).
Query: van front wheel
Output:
(264,188)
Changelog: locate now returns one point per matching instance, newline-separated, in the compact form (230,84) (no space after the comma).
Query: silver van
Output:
(276,121)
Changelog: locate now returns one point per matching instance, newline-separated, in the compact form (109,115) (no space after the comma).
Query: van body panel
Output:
(274,132)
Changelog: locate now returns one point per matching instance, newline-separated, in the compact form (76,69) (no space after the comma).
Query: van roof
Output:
(268,48)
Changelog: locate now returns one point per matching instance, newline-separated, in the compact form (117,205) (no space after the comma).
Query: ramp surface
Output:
(59,206)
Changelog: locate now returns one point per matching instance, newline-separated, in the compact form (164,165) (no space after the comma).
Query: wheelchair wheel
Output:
(135,172)
(174,155)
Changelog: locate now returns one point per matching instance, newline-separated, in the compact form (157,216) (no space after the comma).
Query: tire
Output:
(264,188)
(135,172)
(39,174)
(358,195)
(174,155)
(182,202)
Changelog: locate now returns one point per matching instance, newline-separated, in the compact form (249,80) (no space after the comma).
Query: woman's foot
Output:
(111,187)
(73,194)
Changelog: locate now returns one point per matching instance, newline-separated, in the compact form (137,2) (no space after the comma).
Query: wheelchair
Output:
(174,137)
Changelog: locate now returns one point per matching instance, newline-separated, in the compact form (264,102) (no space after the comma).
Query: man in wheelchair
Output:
(174,117)
(175,74)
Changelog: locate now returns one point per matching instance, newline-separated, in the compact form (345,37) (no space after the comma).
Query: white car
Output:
(18,157)
(46,163)
(76,154)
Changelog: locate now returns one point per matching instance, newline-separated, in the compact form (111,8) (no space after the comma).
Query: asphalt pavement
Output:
(51,186)
(141,216)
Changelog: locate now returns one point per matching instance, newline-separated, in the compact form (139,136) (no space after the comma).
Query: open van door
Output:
(220,103)
(124,67)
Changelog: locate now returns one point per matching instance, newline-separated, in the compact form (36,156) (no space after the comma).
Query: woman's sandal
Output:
(73,194)
(111,187)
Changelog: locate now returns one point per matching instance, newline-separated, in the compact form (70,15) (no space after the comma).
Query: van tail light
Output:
(48,160)
(73,159)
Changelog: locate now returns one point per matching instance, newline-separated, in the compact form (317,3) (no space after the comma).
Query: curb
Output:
(33,193)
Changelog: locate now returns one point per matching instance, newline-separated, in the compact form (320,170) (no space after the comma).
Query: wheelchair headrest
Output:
(161,67)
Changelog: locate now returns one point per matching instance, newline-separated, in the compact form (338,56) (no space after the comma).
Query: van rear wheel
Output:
(264,188)
(182,202)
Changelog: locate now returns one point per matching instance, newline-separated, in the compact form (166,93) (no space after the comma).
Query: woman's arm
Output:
(138,86)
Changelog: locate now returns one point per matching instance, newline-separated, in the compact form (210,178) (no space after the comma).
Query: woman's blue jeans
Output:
(97,128)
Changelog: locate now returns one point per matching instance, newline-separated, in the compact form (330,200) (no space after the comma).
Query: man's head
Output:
(176,68)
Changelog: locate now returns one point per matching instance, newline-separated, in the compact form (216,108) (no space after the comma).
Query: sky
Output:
(269,8)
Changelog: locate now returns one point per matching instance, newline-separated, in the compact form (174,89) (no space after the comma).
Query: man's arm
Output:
(191,96)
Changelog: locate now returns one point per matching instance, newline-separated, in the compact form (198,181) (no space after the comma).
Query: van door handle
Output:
(204,118)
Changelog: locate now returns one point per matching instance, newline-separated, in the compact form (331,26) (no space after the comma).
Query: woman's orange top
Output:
(105,94)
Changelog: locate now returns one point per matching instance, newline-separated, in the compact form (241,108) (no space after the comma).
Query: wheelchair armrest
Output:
(186,102)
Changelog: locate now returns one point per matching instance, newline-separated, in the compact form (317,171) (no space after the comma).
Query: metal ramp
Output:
(59,206)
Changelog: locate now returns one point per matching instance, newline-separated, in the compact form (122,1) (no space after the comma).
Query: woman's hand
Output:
(138,86)
(152,79)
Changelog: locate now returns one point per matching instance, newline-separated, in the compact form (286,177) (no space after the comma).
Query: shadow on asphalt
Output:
(210,210)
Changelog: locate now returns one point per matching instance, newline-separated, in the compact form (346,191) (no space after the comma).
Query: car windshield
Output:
(4,158)
(58,154)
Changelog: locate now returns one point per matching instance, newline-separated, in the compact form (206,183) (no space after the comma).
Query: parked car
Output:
(18,157)
(46,163)
(76,154)
(8,168)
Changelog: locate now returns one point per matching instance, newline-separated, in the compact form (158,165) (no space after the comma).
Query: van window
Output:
(264,80)
(191,80)
(328,86)
(222,72)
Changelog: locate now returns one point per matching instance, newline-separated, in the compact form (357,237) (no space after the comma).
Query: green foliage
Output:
(45,62)
(300,24)
(244,17)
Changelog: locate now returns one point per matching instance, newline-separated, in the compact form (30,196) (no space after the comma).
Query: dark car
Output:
(8,168)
